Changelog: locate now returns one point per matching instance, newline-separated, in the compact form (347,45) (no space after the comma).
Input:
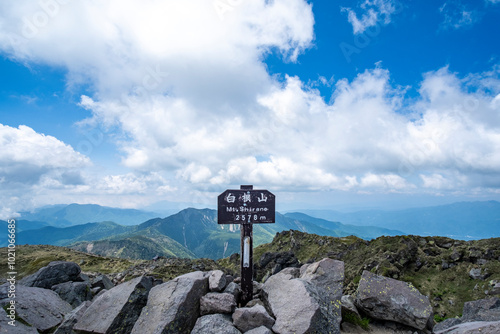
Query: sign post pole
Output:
(246,207)
(246,259)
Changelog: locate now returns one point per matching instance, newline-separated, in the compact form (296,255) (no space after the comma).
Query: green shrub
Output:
(438,318)
(356,320)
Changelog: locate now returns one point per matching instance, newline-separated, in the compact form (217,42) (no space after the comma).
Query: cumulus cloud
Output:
(374,12)
(159,46)
(26,156)
(29,159)
(196,109)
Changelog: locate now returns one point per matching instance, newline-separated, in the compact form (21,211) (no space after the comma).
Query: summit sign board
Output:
(246,206)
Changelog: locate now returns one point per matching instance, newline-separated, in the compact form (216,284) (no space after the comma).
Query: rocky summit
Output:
(304,283)
(308,299)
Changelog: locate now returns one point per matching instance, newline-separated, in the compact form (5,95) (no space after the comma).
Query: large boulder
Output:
(54,273)
(327,276)
(248,318)
(72,318)
(389,299)
(74,293)
(481,310)
(9,326)
(116,310)
(476,327)
(478,310)
(174,306)
(214,323)
(318,291)
(43,309)
(291,316)
(214,302)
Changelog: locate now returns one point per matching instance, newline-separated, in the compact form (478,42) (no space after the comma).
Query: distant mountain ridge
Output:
(189,233)
(461,220)
(76,214)
(195,232)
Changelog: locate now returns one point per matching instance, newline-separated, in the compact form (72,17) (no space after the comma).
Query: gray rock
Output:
(41,308)
(103,291)
(54,273)
(233,289)
(256,287)
(482,310)
(7,325)
(102,281)
(307,316)
(72,318)
(445,324)
(482,327)
(327,276)
(348,306)
(217,281)
(174,306)
(477,273)
(74,293)
(95,291)
(83,278)
(248,318)
(214,302)
(116,310)
(389,299)
(254,302)
(260,330)
(214,323)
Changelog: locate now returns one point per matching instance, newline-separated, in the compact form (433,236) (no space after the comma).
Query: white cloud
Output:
(150,46)
(28,160)
(131,183)
(375,12)
(457,15)
(196,108)
(26,156)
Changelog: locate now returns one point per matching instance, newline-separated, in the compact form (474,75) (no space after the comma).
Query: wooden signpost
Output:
(246,206)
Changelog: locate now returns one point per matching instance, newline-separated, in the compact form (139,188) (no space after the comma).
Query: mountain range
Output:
(75,214)
(194,233)
(461,220)
(190,233)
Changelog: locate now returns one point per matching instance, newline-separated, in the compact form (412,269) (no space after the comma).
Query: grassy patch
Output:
(356,320)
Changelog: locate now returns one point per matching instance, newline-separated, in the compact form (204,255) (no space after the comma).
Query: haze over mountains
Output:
(193,233)
(461,220)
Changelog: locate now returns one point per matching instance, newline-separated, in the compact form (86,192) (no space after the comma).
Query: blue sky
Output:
(329,104)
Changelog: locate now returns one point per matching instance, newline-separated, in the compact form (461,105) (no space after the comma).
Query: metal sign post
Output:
(246,207)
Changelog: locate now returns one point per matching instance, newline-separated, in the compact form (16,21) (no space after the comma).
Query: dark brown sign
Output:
(246,206)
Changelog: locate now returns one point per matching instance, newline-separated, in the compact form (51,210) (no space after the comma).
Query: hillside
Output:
(30,258)
(438,267)
(189,233)
(57,236)
(198,231)
(135,247)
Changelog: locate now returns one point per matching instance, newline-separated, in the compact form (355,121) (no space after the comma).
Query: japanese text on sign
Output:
(246,206)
